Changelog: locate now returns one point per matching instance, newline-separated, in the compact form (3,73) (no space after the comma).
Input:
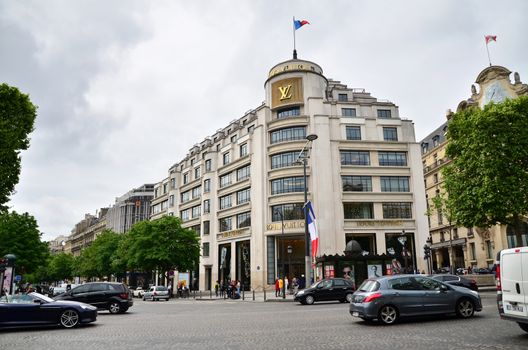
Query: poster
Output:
(375,271)
(7,278)
(183,278)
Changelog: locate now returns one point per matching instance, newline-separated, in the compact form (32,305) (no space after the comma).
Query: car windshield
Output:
(161,288)
(369,286)
(41,297)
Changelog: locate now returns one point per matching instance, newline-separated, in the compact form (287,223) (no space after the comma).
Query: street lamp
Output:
(282,252)
(303,158)
(290,251)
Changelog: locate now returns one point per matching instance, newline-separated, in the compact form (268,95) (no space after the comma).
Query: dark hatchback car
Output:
(112,296)
(457,281)
(326,290)
(36,309)
(388,298)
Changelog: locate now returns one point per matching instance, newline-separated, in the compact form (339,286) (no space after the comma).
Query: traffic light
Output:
(427,251)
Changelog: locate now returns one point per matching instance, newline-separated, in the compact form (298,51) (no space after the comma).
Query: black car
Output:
(112,296)
(457,281)
(329,289)
(37,309)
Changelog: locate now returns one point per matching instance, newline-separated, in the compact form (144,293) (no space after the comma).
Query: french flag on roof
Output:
(298,24)
(312,228)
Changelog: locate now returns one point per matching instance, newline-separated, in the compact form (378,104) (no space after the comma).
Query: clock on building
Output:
(494,93)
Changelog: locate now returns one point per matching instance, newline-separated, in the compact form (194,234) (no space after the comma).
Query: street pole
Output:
(451,259)
(282,255)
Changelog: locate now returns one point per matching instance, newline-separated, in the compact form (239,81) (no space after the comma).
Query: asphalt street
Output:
(237,324)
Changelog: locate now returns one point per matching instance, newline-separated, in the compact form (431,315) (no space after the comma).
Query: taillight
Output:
(155,293)
(372,297)
(497,274)
(123,295)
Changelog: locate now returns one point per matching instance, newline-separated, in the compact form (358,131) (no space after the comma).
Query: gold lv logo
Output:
(285,92)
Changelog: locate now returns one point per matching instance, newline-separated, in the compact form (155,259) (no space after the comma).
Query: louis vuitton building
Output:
(242,189)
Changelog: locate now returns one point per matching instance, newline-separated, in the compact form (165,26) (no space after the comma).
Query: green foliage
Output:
(487,180)
(97,259)
(17,117)
(19,235)
(61,267)
(160,244)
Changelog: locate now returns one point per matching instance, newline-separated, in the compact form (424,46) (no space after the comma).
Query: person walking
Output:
(277,288)
(286,285)
(281,284)
(216,287)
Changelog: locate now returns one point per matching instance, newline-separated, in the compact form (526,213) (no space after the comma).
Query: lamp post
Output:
(282,252)
(290,251)
(302,158)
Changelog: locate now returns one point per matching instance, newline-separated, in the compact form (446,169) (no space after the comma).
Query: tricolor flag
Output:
(298,24)
(490,38)
(312,228)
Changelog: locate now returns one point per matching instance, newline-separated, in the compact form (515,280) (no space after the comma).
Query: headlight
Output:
(88,307)
(301,292)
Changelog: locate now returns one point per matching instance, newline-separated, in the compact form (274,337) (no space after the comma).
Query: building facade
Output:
(132,207)
(242,189)
(85,232)
(460,247)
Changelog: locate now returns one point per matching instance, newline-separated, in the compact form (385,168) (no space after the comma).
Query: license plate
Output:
(355,314)
(514,308)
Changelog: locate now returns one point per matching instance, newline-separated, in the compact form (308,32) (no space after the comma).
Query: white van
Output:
(512,285)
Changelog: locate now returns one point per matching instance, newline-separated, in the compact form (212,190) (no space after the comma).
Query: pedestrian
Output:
(169,288)
(238,288)
(277,287)
(286,284)
(281,284)
(216,287)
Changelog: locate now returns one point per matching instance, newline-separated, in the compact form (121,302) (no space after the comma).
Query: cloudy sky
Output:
(125,88)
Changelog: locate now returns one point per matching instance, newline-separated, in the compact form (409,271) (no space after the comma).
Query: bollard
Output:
(264,293)
(243,295)
(200,293)
(210,294)
(253,295)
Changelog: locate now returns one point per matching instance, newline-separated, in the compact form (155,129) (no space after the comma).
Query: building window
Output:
(196,192)
(282,160)
(358,210)
(207,206)
(225,202)
(436,140)
(384,113)
(196,229)
(218,147)
(355,158)
(390,134)
(489,250)
(196,211)
(342,97)
(165,188)
(353,133)
(394,183)
(288,134)
(171,200)
(206,227)
(208,165)
(435,178)
(243,150)
(288,112)
(192,161)
(233,138)
(244,220)
(185,178)
(197,173)
(287,185)
(348,112)
(243,196)
(205,249)
(292,211)
(173,182)
(250,129)
(243,173)
(225,180)
(185,196)
(392,158)
(425,147)
(397,210)
(352,183)
(207,185)
(225,224)
(226,158)
(472,251)
(184,214)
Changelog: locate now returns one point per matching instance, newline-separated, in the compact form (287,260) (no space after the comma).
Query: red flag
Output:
(490,38)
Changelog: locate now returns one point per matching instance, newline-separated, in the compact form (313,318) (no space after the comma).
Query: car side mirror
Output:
(443,288)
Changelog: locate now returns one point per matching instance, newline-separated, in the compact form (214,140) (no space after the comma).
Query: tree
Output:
(17,117)
(61,267)
(97,259)
(162,244)
(487,180)
(19,235)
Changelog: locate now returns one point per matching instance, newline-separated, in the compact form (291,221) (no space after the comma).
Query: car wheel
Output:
(123,310)
(69,318)
(114,307)
(348,298)
(524,326)
(309,300)
(465,308)
(388,314)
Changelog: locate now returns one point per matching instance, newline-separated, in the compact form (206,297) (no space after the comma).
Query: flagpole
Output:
(487,49)
(294,50)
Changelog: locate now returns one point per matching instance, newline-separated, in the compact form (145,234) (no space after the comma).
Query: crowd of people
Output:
(228,289)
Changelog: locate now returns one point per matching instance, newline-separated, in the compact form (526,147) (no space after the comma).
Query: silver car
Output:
(388,298)
(156,293)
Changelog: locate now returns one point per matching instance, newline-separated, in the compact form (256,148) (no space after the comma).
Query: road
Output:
(236,324)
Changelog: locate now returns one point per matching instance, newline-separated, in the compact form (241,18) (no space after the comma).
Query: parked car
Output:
(457,281)
(112,296)
(512,285)
(339,289)
(157,293)
(388,298)
(138,292)
(482,271)
(37,309)
(54,291)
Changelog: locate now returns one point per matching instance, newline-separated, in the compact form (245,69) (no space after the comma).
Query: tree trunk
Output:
(518,224)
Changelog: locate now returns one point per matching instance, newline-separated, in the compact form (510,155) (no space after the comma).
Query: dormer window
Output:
(436,140)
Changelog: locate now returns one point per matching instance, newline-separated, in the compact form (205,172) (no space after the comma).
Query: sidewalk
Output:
(260,296)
